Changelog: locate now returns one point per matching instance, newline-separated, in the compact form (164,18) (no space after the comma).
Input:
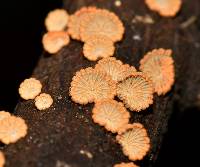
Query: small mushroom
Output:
(102,22)
(115,68)
(53,41)
(134,141)
(166,8)
(90,85)
(136,91)
(98,47)
(158,65)
(30,88)
(12,129)
(76,19)
(43,101)
(110,114)
(57,20)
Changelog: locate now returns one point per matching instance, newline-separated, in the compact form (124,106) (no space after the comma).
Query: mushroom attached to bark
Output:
(90,85)
(76,19)
(30,88)
(43,101)
(110,114)
(158,65)
(136,91)
(166,8)
(102,22)
(53,41)
(115,68)
(57,20)
(98,47)
(12,129)
(134,141)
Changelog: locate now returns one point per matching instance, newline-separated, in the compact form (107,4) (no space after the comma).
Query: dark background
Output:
(21,29)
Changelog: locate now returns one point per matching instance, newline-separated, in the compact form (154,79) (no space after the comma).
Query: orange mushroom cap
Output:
(130,164)
(136,91)
(30,88)
(111,114)
(12,129)
(43,101)
(98,47)
(115,68)
(102,22)
(76,19)
(57,20)
(53,41)
(134,141)
(158,65)
(166,8)
(90,85)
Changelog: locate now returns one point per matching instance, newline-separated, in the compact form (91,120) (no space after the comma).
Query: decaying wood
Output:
(65,135)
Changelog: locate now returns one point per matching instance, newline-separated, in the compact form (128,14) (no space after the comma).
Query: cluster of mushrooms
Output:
(30,89)
(99,29)
(13,128)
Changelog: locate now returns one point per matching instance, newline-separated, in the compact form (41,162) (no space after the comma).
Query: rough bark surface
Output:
(57,135)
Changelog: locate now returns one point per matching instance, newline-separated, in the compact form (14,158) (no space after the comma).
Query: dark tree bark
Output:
(56,136)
